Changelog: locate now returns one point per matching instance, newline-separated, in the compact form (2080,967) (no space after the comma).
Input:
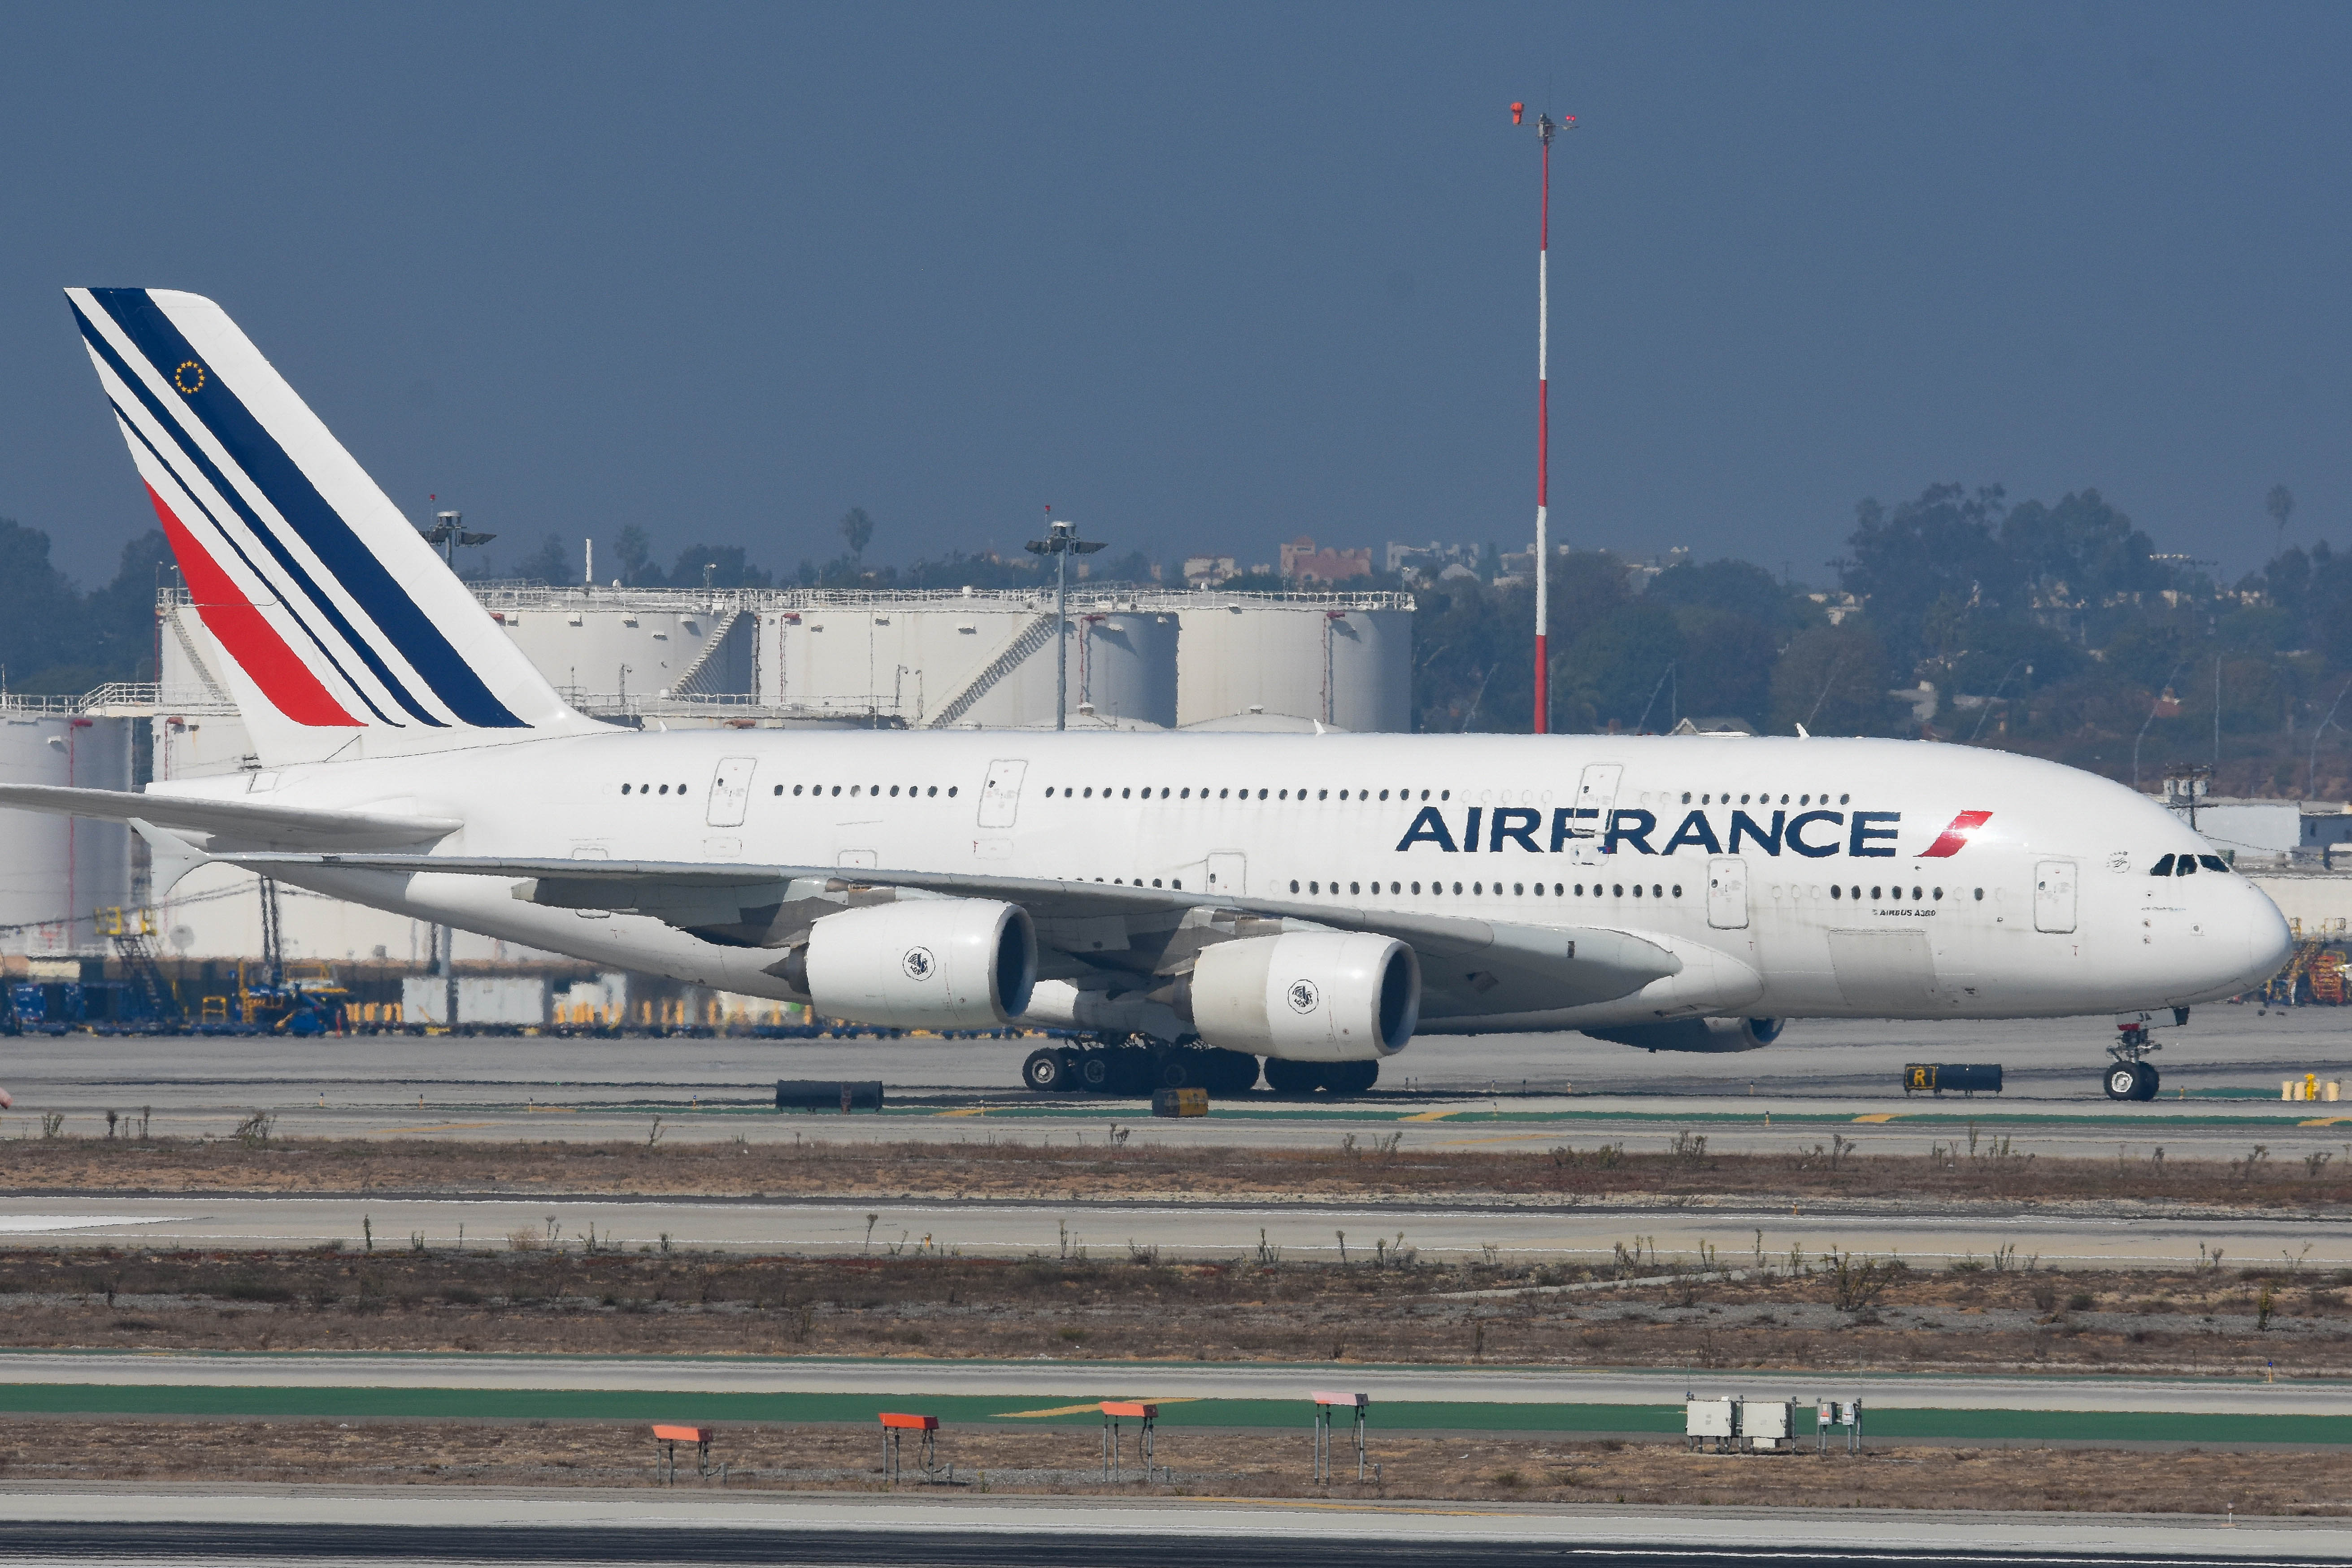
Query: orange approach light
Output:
(1517,109)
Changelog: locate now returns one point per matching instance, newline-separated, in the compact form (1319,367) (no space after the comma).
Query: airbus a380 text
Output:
(1313,900)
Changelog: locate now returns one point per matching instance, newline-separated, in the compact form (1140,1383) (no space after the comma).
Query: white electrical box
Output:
(1711,1418)
(1769,1424)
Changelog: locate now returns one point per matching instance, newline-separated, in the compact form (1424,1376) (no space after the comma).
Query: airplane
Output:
(1194,902)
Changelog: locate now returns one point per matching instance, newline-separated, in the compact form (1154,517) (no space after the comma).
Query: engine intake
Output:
(1307,996)
(920,963)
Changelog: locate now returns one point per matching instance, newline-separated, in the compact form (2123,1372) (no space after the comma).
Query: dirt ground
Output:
(1792,1313)
(1199,1463)
(1970,1168)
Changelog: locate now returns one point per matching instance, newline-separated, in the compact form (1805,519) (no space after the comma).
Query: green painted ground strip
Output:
(996,1410)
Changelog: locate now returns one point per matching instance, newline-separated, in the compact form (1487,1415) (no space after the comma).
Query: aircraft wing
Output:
(225,825)
(1470,967)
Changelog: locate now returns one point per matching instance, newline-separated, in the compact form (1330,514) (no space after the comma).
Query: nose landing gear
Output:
(2131,1076)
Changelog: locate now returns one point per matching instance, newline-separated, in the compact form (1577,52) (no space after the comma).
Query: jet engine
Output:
(1309,996)
(1696,1034)
(920,963)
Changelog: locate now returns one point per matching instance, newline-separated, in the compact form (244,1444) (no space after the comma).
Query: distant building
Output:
(1303,563)
(1209,570)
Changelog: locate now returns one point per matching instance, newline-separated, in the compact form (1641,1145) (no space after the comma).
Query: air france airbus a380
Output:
(1316,901)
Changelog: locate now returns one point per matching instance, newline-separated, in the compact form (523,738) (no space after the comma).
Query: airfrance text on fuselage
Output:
(1862,834)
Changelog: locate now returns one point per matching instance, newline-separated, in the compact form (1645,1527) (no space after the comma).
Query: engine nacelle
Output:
(1308,996)
(920,963)
(1696,1034)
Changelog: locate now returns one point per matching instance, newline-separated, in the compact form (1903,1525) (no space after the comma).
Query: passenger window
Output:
(780,789)
(624,789)
(2212,862)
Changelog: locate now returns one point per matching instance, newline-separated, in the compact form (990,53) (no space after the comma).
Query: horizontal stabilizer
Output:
(234,823)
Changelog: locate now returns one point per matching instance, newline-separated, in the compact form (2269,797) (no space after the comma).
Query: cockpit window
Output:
(2162,868)
(2188,867)
(2212,862)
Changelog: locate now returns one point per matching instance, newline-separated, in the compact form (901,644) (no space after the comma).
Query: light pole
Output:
(1545,128)
(445,533)
(1061,543)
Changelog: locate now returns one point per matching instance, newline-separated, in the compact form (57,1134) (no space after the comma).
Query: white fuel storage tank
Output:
(56,871)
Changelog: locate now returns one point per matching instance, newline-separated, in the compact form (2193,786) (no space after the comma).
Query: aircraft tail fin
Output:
(347,634)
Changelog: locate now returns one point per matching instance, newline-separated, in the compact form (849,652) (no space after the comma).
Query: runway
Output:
(1534,1089)
(2076,1235)
(244,1524)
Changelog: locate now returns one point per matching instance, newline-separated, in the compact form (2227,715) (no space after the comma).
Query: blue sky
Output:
(1207,277)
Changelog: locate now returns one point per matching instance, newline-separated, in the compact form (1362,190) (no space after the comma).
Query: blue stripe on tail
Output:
(317,524)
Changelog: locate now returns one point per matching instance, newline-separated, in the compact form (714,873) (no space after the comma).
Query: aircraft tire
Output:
(1293,1077)
(1046,1072)
(1232,1072)
(1095,1072)
(1178,1068)
(1350,1078)
(2123,1080)
(2148,1081)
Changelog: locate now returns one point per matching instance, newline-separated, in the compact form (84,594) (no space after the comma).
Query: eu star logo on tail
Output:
(345,634)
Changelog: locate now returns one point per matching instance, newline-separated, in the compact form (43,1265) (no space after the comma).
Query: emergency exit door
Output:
(2053,896)
(730,791)
(1596,797)
(1000,793)
(1727,892)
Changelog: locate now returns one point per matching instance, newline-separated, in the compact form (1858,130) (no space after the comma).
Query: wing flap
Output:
(1471,967)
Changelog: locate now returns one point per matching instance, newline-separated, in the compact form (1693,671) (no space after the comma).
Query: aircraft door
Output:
(1000,794)
(1727,892)
(1228,873)
(2053,896)
(1596,793)
(730,791)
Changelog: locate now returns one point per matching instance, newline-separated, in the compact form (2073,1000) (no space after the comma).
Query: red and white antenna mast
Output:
(1545,128)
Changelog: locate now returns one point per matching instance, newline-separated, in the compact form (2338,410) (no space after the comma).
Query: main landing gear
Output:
(1138,1067)
(2131,1076)
(1129,1068)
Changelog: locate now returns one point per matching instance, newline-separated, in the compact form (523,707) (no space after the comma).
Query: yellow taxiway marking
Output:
(2323,1121)
(552,1110)
(442,1127)
(968,1111)
(1428,1116)
(1089,1408)
(1879,1116)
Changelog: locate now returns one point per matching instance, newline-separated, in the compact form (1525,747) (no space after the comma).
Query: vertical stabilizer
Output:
(349,636)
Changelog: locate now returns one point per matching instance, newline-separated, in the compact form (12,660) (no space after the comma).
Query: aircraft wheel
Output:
(1350,1078)
(1235,1072)
(2148,1081)
(1180,1068)
(1293,1077)
(1046,1072)
(1094,1071)
(2123,1080)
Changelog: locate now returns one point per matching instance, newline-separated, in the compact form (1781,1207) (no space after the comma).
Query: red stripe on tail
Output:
(250,639)
(1963,828)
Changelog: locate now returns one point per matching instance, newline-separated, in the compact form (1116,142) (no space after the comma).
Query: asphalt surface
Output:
(244,1524)
(1093,1381)
(2229,1062)
(2079,1237)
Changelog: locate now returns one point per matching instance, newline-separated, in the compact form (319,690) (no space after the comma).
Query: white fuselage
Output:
(1806,861)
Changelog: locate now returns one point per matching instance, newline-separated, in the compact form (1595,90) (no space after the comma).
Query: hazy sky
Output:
(1207,277)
